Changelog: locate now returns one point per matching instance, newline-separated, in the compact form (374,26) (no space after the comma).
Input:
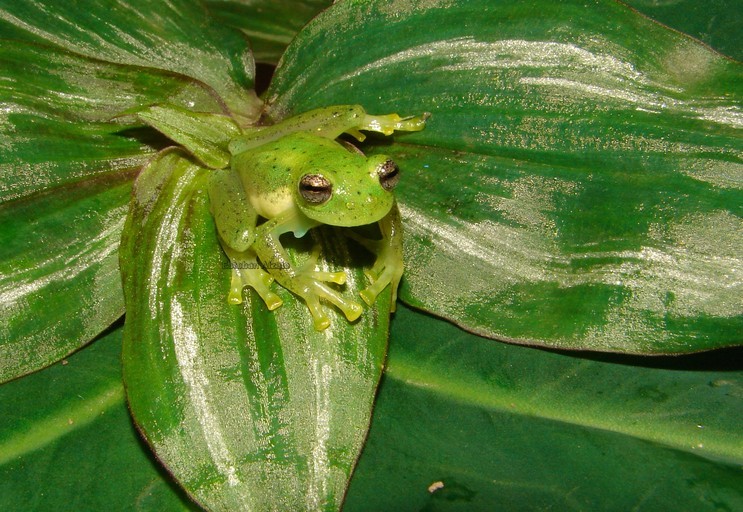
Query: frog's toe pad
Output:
(272,301)
(353,311)
(330,277)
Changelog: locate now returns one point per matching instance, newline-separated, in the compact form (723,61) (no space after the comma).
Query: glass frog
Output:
(294,176)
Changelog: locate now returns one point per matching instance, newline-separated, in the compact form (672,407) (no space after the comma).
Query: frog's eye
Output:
(315,188)
(389,174)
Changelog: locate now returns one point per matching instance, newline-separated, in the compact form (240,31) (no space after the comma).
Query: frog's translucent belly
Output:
(272,204)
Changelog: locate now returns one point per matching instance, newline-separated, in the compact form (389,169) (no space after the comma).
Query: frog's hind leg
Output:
(388,267)
(328,122)
(247,272)
(391,123)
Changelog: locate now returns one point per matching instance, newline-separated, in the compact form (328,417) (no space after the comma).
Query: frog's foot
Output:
(252,275)
(390,123)
(313,290)
(308,269)
(386,271)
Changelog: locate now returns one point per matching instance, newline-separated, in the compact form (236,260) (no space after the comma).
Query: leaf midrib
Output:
(61,423)
(723,446)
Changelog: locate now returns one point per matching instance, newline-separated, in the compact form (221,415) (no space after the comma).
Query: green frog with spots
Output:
(294,176)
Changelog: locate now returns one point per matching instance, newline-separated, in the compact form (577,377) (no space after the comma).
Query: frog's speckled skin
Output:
(271,171)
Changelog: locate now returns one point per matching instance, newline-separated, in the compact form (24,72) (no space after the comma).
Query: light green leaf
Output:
(56,121)
(67,442)
(204,135)
(176,36)
(462,424)
(268,24)
(249,409)
(579,160)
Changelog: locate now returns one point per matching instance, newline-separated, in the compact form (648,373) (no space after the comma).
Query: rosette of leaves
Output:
(577,187)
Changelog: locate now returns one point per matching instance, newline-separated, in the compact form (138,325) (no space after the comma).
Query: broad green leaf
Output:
(67,442)
(461,424)
(716,22)
(206,136)
(59,274)
(65,170)
(57,131)
(248,409)
(176,36)
(56,121)
(269,25)
(579,160)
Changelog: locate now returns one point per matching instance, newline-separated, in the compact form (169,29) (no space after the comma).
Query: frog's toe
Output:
(352,310)
(390,123)
(235,296)
(319,320)
(329,277)
(272,300)
(368,295)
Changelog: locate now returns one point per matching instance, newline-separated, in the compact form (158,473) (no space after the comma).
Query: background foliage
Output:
(492,423)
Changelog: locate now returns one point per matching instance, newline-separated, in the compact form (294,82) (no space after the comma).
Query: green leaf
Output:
(56,122)
(67,442)
(59,274)
(65,170)
(716,22)
(578,162)
(509,428)
(248,409)
(176,36)
(204,135)
(269,25)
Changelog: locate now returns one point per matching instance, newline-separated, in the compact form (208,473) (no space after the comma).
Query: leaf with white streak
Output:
(579,184)
(176,36)
(249,409)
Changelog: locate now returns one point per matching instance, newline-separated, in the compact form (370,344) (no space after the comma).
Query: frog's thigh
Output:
(233,215)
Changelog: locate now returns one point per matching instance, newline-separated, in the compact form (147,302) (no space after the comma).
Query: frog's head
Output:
(354,191)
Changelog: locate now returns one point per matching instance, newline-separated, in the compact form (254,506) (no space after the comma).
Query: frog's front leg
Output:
(305,282)
(388,267)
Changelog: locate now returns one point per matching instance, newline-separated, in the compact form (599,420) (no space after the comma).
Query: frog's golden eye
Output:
(389,174)
(315,188)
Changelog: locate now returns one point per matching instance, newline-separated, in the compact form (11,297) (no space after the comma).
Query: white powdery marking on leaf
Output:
(729,115)
(17,285)
(167,234)
(320,465)
(191,366)
(649,102)
(466,54)
(489,243)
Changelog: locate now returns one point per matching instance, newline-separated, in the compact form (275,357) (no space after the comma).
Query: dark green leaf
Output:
(65,170)
(579,160)
(716,22)
(269,25)
(249,409)
(59,274)
(67,442)
(176,36)
(500,427)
